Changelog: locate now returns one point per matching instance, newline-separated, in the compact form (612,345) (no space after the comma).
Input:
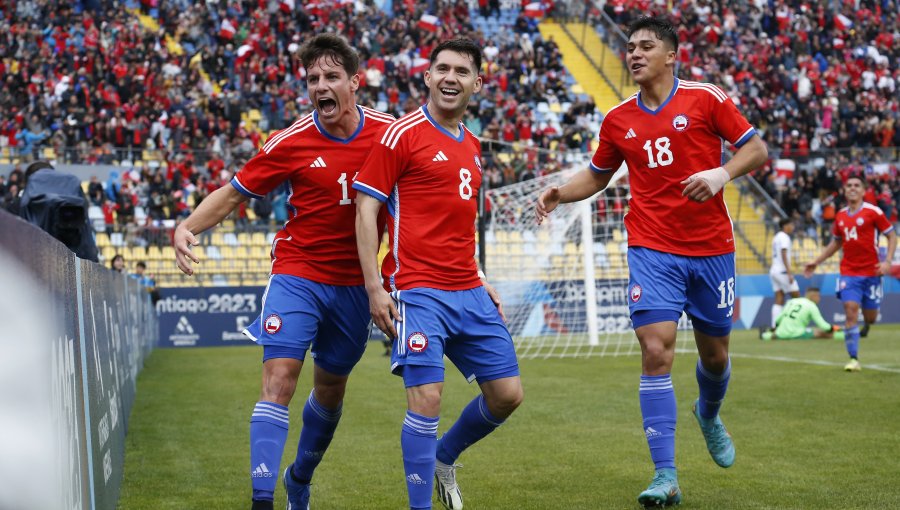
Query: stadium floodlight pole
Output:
(590,286)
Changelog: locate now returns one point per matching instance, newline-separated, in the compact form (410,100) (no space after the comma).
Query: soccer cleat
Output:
(853,365)
(297,493)
(445,484)
(663,490)
(718,440)
(864,331)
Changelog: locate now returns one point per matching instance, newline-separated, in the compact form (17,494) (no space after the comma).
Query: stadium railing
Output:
(575,20)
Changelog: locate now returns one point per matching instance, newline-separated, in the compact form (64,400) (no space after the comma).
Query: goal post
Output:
(563,283)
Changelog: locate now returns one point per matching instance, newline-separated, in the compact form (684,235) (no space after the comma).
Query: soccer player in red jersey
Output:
(680,240)
(426,168)
(856,229)
(315,298)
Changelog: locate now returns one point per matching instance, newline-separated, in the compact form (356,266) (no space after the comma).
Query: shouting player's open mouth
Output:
(327,105)
(637,67)
(448,92)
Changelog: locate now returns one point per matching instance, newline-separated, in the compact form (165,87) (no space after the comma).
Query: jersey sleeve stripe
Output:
(375,114)
(284,132)
(383,120)
(369,190)
(243,189)
(391,132)
(300,127)
(599,170)
(402,121)
(875,208)
(405,129)
(712,89)
(745,137)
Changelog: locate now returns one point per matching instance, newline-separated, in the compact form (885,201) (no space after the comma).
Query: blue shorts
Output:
(465,325)
(662,285)
(299,314)
(865,290)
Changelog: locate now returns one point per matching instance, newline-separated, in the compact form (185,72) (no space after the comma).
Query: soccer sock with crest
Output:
(475,422)
(268,433)
(660,413)
(319,424)
(418,440)
(712,390)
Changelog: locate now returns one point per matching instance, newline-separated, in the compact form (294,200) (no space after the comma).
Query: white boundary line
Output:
(813,362)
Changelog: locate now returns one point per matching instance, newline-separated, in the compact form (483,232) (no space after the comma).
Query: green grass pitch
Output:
(808,435)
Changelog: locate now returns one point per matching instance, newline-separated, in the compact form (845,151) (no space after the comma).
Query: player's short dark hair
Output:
(332,46)
(784,221)
(858,177)
(812,289)
(462,45)
(662,27)
(141,264)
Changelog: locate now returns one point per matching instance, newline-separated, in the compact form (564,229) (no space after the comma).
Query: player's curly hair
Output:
(662,27)
(332,46)
(461,45)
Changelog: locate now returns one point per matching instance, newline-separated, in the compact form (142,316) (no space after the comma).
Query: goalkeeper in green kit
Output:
(793,320)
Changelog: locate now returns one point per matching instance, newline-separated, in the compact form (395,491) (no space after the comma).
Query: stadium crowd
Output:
(820,80)
(175,80)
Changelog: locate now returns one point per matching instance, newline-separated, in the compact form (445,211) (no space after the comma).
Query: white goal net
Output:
(563,283)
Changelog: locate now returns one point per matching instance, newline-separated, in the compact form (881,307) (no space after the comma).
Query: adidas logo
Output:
(440,157)
(261,471)
(652,432)
(630,134)
(318,163)
(184,326)
(415,479)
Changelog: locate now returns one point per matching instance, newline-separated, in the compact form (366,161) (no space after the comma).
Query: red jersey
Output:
(859,232)
(664,147)
(318,241)
(429,180)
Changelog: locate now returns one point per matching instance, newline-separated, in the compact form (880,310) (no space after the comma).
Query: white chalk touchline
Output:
(866,366)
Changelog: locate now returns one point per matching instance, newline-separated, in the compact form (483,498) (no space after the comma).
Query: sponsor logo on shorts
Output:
(636,293)
(272,324)
(417,342)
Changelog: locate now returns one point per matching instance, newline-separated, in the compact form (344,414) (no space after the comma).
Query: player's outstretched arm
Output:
(582,185)
(884,268)
(829,250)
(381,306)
(706,184)
(211,211)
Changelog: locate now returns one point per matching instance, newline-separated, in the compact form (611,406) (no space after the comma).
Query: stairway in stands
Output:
(750,232)
(588,78)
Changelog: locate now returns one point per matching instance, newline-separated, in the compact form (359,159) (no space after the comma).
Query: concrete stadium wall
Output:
(74,338)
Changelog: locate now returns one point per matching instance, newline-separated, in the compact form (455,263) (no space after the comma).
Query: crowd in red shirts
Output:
(173,81)
(820,80)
